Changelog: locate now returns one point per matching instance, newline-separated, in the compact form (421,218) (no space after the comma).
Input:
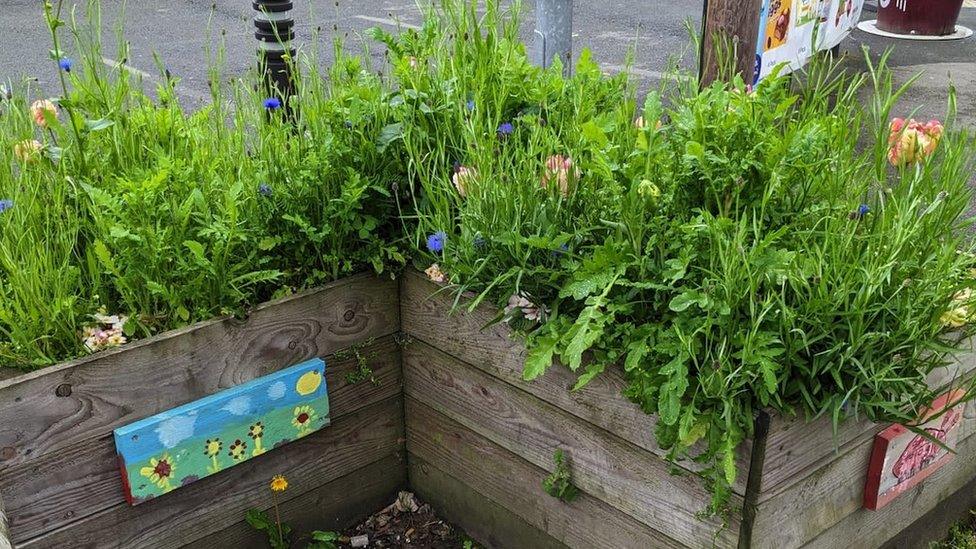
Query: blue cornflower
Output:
(264,189)
(562,249)
(272,103)
(348,124)
(65,64)
(479,241)
(505,129)
(436,241)
(6,204)
(470,105)
(860,212)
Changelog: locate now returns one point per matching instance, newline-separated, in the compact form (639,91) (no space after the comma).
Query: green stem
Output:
(53,21)
(281,540)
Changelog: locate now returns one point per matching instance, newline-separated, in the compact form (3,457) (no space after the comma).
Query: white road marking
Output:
(182,91)
(131,70)
(389,22)
(645,73)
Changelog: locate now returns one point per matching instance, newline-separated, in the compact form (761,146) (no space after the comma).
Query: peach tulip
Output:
(910,141)
(40,110)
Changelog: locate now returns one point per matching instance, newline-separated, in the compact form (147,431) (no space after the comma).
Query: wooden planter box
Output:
(58,473)
(478,442)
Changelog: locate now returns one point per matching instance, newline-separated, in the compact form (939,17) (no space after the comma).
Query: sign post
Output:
(553,33)
(274,29)
(732,26)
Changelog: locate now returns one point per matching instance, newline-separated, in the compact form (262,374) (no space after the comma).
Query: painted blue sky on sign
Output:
(164,431)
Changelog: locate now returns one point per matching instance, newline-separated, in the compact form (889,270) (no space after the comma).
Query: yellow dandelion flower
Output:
(279,483)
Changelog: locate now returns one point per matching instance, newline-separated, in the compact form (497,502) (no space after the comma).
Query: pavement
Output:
(185,35)
(935,64)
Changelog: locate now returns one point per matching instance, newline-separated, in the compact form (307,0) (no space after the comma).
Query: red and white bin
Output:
(919,17)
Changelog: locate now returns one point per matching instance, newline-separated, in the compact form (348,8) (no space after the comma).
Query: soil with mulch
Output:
(407,522)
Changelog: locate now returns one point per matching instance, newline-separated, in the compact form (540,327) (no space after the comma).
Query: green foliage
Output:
(559,483)
(363,371)
(731,250)
(170,217)
(278,535)
(722,258)
(323,540)
(962,535)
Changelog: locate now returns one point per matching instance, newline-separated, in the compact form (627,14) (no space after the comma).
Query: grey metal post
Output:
(553,33)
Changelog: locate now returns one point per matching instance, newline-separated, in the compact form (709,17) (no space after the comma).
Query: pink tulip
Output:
(561,169)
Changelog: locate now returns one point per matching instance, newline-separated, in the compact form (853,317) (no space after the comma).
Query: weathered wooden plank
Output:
(46,411)
(826,497)
(487,522)
(515,484)
(201,508)
(425,309)
(333,506)
(797,448)
(869,529)
(607,467)
(61,487)
(4,531)
(933,525)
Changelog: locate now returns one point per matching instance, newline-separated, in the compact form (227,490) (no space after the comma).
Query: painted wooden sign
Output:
(174,448)
(901,458)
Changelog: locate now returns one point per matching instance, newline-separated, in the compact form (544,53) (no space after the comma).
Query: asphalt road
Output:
(184,34)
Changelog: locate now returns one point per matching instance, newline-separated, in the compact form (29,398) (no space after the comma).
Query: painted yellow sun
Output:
(308,383)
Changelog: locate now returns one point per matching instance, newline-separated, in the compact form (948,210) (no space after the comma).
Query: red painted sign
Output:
(902,458)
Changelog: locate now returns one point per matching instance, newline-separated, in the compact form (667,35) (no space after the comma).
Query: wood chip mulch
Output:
(406,523)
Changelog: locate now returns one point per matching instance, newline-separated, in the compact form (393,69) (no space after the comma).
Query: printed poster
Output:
(790,31)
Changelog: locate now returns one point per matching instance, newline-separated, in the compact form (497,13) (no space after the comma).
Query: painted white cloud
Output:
(238,406)
(175,430)
(277,390)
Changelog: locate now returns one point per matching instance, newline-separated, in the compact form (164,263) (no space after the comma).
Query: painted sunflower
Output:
(304,416)
(159,472)
(213,447)
(238,450)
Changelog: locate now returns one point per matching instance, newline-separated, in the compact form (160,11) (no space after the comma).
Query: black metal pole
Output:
(275,30)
